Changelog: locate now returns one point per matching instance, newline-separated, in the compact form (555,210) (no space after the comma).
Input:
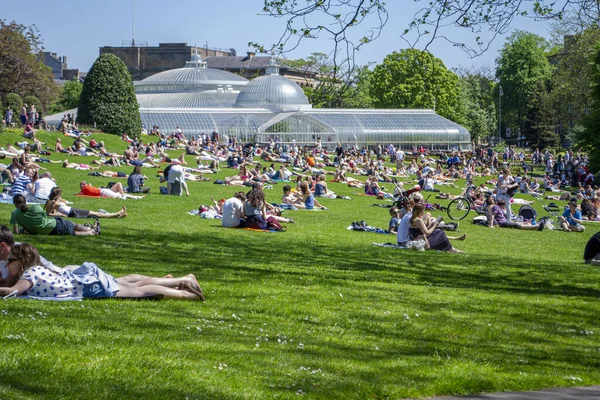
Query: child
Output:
(395,221)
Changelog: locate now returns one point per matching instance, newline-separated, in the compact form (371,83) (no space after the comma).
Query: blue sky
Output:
(77,29)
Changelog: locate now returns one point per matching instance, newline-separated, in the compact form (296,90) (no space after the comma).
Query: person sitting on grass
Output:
(89,281)
(394,221)
(56,206)
(290,199)
(115,191)
(34,220)
(571,220)
(255,208)
(496,215)
(135,182)
(435,238)
(233,211)
(308,199)
(59,148)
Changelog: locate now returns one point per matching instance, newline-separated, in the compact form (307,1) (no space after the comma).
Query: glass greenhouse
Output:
(272,107)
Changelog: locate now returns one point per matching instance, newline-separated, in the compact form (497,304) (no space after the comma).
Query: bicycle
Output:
(460,207)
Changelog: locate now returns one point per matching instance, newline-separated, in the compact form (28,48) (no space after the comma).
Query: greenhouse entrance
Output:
(296,127)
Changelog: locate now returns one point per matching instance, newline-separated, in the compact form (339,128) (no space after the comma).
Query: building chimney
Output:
(250,54)
(64,61)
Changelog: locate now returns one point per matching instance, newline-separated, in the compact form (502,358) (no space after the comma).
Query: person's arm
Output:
(490,217)
(579,221)
(20,287)
(263,211)
(424,230)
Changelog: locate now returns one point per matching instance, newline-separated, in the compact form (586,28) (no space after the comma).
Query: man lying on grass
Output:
(88,281)
(33,219)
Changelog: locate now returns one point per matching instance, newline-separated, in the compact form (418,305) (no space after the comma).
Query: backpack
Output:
(527,212)
(274,225)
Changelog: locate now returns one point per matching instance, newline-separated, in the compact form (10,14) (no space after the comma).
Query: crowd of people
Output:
(303,173)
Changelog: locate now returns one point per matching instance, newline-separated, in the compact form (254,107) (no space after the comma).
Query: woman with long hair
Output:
(56,206)
(255,208)
(88,281)
(308,199)
(435,238)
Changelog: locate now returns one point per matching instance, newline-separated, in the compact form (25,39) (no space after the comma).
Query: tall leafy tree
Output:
(21,68)
(331,86)
(589,136)
(413,78)
(108,100)
(70,94)
(520,68)
(476,102)
(571,80)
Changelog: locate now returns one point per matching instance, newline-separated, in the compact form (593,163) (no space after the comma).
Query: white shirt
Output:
(232,212)
(176,174)
(42,187)
(402,235)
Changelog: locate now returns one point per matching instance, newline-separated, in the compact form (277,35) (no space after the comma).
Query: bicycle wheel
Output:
(458,208)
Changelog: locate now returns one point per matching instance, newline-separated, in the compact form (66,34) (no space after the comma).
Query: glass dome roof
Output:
(193,77)
(204,99)
(274,92)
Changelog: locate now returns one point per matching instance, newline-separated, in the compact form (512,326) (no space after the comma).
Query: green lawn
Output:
(315,311)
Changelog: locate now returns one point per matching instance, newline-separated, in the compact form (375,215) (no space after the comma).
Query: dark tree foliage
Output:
(29,100)
(21,68)
(108,100)
(589,137)
(15,102)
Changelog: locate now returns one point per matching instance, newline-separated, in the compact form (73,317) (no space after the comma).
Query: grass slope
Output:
(315,311)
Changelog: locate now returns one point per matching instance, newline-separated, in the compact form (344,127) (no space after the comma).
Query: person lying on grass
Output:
(56,206)
(434,237)
(34,220)
(496,215)
(115,191)
(89,281)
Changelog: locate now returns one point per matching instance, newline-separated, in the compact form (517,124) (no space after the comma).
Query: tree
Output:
(29,100)
(15,102)
(71,92)
(21,68)
(520,68)
(351,24)
(571,80)
(108,100)
(541,120)
(415,79)
(328,86)
(589,137)
(476,102)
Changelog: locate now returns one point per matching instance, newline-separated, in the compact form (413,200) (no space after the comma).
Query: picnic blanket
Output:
(261,230)
(148,297)
(418,245)
(5,198)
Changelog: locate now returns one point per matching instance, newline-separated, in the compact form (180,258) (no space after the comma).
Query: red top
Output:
(89,190)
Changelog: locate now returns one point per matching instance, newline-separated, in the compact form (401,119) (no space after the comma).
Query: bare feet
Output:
(463,237)
(192,288)
(123,212)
